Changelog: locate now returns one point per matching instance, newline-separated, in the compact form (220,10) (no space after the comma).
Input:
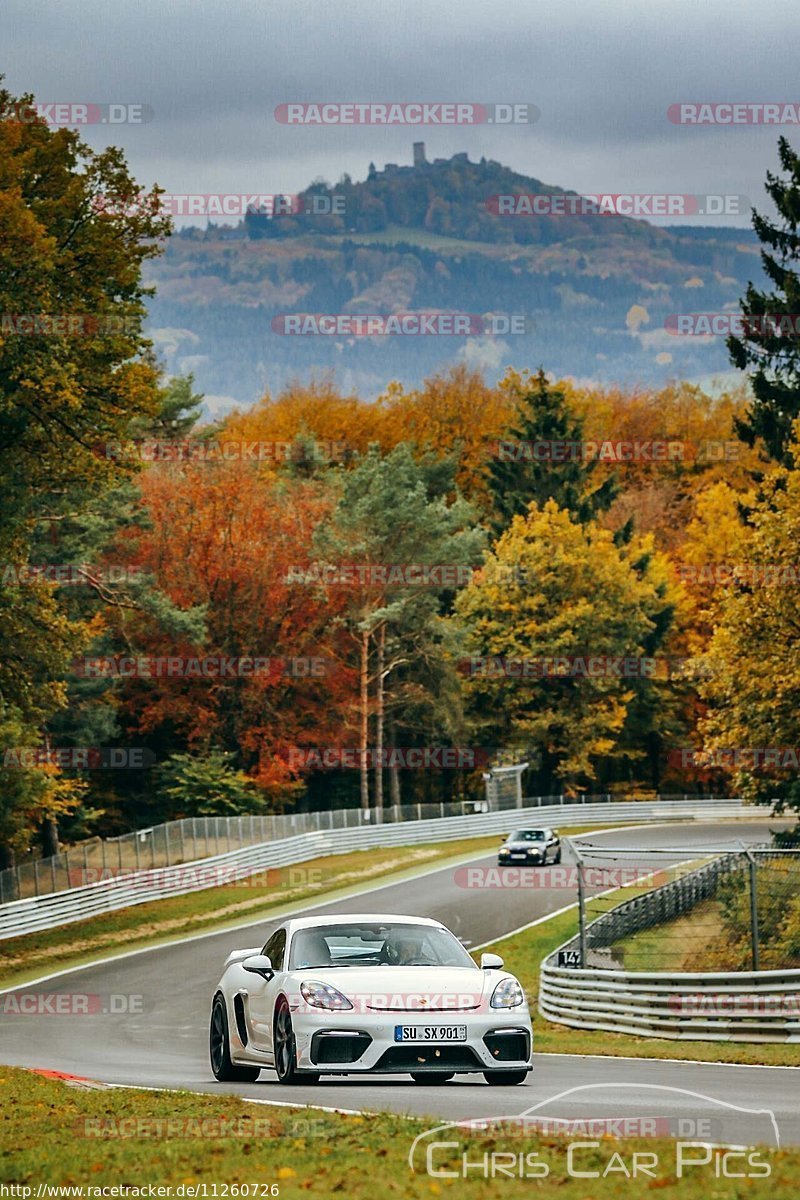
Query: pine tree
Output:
(519,476)
(773,355)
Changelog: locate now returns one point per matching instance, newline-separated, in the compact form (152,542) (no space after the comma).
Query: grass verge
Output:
(673,946)
(218,1146)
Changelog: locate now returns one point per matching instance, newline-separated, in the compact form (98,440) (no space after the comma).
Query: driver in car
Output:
(404,951)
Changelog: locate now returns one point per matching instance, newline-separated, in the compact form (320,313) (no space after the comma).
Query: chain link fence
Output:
(194,838)
(738,910)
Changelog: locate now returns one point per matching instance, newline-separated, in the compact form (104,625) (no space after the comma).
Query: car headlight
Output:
(507,994)
(505,850)
(322,995)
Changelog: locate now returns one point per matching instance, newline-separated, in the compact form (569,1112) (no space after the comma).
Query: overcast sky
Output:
(602,72)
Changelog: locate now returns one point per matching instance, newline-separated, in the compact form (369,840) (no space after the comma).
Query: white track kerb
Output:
(140,887)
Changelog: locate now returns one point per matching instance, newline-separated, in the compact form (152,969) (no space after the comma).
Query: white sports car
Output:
(357,994)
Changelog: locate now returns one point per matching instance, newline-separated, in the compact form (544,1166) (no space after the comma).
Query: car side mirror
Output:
(259,964)
(491,962)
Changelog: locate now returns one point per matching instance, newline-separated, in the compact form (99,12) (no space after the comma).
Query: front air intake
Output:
(331,1047)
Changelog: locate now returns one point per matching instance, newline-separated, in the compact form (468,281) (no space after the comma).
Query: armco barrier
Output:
(140,887)
(731,1006)
(188,839)
(720,1006)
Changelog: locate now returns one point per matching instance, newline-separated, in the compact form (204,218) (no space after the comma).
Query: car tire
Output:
(504,1078)
(430,1077)
(286,1050)
(557,858)
(219,1049)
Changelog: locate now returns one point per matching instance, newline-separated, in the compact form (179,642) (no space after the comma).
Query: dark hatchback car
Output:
(533,846)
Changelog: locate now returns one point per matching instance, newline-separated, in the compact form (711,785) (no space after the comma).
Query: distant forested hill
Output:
(595,290)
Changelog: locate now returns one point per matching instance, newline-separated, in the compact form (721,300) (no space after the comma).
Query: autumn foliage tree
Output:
(753,655)
(397,513)
(74,374)
(576,596)
(224,540)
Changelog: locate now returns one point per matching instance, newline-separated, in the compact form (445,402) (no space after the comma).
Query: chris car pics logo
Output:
(585,1133)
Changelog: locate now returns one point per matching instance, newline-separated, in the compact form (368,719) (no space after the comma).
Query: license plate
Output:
(430,1033)
(519,856)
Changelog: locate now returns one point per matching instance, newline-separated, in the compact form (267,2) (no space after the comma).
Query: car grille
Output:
(420,1058)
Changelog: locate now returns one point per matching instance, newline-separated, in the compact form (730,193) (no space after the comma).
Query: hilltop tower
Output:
(419,154)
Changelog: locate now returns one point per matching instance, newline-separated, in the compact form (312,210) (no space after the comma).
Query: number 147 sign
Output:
(569,958)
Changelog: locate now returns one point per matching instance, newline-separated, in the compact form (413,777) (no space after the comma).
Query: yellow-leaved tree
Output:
(753,686)
(549,623)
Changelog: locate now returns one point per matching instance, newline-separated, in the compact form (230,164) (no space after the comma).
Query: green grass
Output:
(52,1134)
(670,947)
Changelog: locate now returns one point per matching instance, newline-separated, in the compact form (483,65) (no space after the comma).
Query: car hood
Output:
(406,989)
(524,845)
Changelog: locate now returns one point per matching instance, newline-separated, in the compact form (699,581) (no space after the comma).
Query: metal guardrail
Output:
(193,838)
(139,887)
(742,1006)
(739,1006)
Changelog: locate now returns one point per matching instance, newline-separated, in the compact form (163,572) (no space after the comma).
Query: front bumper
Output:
(338,1043)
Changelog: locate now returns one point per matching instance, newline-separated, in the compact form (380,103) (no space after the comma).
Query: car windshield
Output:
(376,945)
(528,835)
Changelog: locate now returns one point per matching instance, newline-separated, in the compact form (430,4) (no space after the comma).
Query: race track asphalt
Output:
(165,1043)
